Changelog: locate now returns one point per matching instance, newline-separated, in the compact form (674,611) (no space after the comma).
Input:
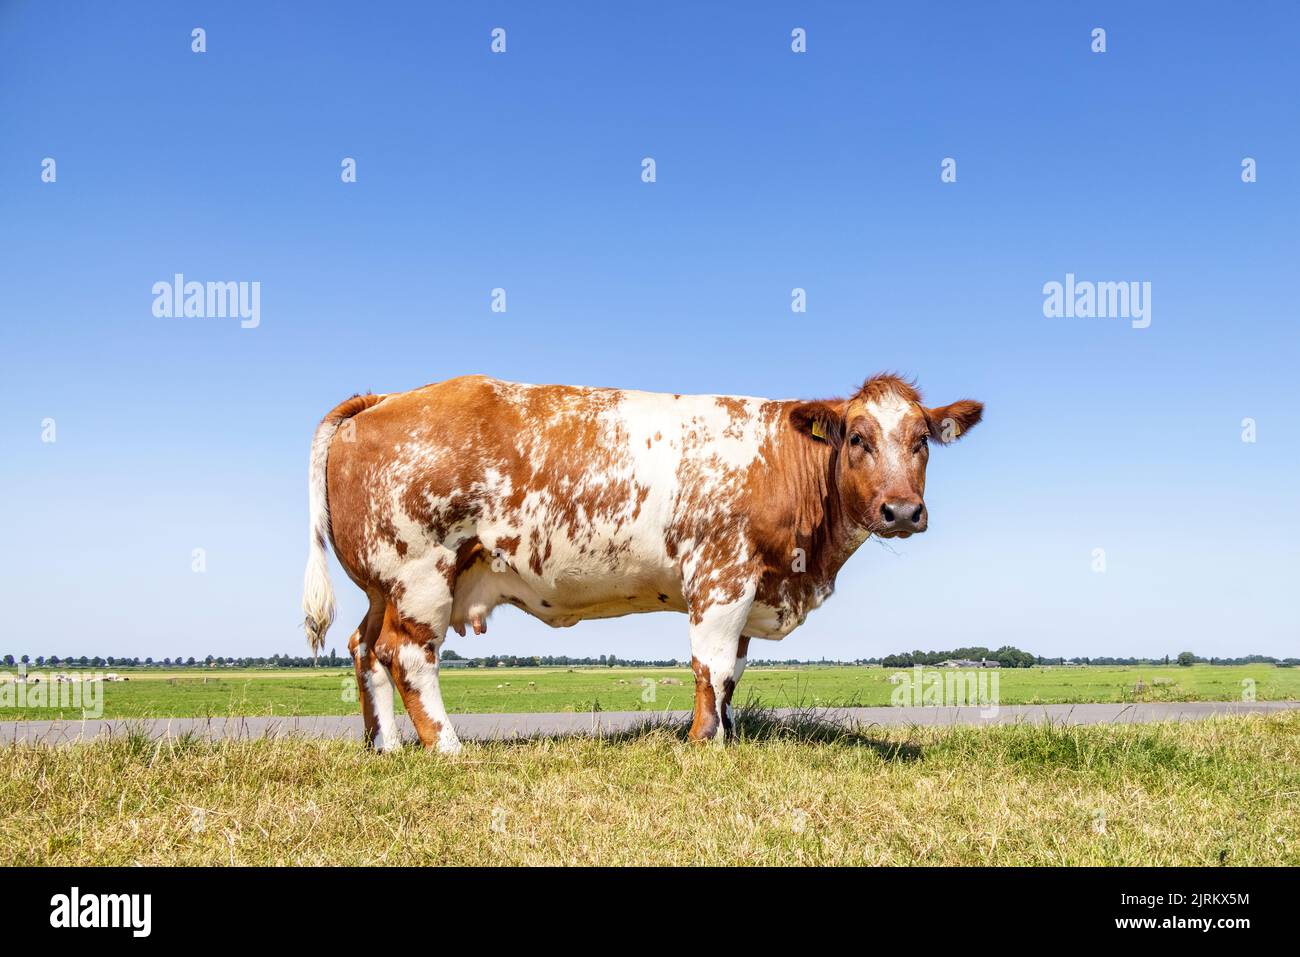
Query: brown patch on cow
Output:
(704,720)
(742,649)
(642,493)
(738,415)
(367,633)
(796,507)
(470,551)
(509,544)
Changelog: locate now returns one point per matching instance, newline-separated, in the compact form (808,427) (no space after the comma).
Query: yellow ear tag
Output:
(817,430)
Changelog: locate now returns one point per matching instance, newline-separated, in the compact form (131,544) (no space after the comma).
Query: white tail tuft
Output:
(317,594)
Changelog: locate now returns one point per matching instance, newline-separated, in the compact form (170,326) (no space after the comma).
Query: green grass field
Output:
(220,693)
(1215,792)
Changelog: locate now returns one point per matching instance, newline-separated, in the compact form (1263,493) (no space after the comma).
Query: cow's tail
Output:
(317,595)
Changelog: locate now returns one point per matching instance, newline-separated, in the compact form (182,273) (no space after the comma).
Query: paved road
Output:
(482,727)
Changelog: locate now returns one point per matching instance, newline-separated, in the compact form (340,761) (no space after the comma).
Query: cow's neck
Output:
(836,539)
(799,514)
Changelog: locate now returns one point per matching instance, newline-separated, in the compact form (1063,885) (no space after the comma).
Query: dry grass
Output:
(1223,791)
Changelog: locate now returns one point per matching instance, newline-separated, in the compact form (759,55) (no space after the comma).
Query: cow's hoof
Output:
(382,745)
(717,740)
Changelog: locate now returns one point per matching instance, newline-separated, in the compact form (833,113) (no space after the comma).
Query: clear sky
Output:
(775,170)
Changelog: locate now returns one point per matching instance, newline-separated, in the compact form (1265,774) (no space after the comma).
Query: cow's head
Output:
(879,445)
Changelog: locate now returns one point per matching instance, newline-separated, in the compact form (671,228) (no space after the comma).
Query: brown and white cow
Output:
(571,503)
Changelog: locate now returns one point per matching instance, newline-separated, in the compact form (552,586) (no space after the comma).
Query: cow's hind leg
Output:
(715,647)
(411,650)
(356,647)
(374,686)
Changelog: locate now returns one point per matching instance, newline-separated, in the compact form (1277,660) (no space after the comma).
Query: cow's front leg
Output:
(715,649)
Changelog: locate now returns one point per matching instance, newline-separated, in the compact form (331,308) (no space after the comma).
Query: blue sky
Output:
(775,170)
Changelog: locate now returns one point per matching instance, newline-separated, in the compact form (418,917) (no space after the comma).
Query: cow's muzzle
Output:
(898,519)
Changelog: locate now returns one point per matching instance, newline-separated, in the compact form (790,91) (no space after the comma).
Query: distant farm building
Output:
(970,663)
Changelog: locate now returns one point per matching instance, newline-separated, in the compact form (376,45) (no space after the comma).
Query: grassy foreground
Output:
(1222,791)
(222,693)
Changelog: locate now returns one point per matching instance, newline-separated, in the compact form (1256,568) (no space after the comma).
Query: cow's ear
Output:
(820,421)
(950,422)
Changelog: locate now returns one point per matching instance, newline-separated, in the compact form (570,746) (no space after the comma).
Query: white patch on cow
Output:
(889,412)
(615,562)
(379,688)
(426,596)
(718,632)
(769,621)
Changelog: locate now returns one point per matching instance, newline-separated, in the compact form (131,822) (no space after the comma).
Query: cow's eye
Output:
(921,443)
(858,440)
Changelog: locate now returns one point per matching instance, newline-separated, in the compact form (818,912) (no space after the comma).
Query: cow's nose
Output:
(903,516)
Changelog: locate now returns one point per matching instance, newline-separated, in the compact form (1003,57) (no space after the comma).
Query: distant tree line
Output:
(1185,659)
(332,660)
(1010,657)
(1007,656)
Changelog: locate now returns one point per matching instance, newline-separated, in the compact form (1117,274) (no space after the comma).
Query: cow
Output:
(572,503)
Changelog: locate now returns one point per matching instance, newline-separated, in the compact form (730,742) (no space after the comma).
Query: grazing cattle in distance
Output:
(572,503)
